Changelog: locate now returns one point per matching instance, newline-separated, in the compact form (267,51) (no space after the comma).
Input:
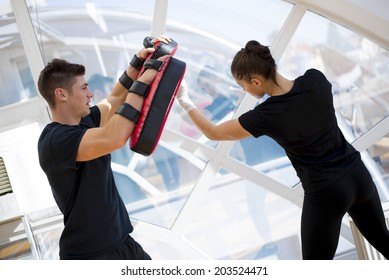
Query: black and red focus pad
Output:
(159,100)
(161,49)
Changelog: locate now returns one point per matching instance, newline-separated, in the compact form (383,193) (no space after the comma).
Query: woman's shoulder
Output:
(312,72)
(312,76)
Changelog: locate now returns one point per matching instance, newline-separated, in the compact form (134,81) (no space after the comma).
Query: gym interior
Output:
(193,198)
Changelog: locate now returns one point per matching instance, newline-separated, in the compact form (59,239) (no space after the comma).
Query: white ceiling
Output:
(370,18)
(380,8)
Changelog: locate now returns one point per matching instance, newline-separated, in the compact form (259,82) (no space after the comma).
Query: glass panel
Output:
(48,243)
(356,67)
(208,46)
(161,249)
(241,220)
(226,19)
(155,188)
(266,156)
(142,8)
(167,170)
(102,35)
(46,225)
(377,160)
(15,75)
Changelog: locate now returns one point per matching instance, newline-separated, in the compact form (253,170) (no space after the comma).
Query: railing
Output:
(364,249)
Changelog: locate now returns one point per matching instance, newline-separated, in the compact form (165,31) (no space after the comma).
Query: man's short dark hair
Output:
(58,74)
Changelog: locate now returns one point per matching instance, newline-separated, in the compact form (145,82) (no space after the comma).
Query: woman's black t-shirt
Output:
(303,122)
(95,217)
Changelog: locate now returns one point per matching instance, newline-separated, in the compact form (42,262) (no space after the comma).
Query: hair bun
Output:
(255,47)
(251,46)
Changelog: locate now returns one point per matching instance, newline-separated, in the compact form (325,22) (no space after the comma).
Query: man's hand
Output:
(149,74)
(143,53)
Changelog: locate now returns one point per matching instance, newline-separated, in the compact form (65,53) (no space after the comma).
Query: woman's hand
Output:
(183,97)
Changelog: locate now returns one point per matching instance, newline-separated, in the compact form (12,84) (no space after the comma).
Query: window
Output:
(356,67)
(15,82)
(5,185)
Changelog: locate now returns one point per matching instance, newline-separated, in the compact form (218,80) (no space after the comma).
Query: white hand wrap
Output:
(183,98)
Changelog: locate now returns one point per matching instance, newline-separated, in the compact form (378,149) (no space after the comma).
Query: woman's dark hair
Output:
(254,59)
(58,74)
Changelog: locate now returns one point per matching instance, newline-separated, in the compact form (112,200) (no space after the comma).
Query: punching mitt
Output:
(161,49)
(159,99)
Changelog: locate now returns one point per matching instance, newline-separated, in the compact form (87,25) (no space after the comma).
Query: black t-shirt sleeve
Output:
(67,139)
(253,122)
(64,145)
(59,144)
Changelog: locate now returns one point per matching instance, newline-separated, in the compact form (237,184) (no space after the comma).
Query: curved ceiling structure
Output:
(194,198)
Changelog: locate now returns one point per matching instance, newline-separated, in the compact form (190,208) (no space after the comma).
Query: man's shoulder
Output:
(55,133)
(49,129)
(93,119)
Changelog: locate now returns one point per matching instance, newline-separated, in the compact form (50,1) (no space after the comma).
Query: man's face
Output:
(80,97)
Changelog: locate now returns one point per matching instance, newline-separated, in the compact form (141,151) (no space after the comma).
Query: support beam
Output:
(30,44)
(158,26)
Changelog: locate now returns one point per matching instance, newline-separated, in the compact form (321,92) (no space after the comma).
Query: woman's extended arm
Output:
(229,130)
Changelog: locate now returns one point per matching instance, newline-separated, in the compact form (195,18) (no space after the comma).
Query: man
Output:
(74,152)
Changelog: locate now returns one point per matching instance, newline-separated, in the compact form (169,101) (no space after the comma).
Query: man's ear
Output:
(60,94)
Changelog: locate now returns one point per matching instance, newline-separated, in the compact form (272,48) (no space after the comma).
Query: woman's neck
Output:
(282,87)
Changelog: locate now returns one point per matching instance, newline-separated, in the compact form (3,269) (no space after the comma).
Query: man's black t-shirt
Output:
(303,122)
(95,217)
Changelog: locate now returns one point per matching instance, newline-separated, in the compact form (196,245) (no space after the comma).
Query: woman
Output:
(300,116)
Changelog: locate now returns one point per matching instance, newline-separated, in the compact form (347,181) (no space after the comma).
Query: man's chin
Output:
(87,112)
